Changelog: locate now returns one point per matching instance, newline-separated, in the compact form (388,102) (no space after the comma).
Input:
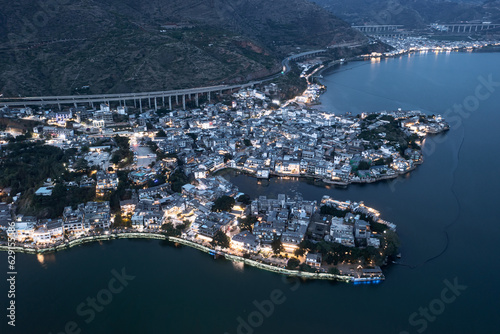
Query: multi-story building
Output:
(106,182)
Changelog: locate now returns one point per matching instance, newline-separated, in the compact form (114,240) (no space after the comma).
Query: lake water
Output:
(446,212)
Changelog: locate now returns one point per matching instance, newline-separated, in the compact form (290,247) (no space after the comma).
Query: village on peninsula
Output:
(90,174)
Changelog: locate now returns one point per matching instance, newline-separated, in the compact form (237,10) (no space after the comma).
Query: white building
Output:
(342,233)
(246,241)
(24,228)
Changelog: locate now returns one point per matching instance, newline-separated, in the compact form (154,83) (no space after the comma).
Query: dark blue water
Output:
(446,211)
(425,81)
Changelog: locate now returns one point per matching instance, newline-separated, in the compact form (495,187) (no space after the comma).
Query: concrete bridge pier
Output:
(196,99)
(183,102)
(177,99)
(156,104)
(149,101)
(140,105)
(163,100)
(135,103)
(208,96)
(170,103)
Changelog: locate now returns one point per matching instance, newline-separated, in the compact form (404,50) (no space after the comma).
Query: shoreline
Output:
(159,236)
(253,174)
(333,63)
(312,177)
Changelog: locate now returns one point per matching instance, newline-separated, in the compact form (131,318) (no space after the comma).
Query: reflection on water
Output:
(44,259)
(239,266)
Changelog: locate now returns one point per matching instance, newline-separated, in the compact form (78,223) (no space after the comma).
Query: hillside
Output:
(412,13)
(92,46)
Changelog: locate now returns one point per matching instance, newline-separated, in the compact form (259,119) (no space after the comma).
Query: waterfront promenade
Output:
(123,234)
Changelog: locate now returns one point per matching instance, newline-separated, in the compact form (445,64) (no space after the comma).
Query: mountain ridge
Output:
(412,13)
(121,46)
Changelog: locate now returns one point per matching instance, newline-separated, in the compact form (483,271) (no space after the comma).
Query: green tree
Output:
(223,203)
(81,165)
(333,211)
(184,226)
(123,156)
(306,267)
(292,263)
(118,221)
(220,239)
(390,243)
(244,199)
(170,230)
(247,224)
(152,145)
(363,165)
(299,251)
(114,202)
(162,112)
(277,246)
(177,180)
(377,227)
(331,258)
(323,247)
(334,271)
